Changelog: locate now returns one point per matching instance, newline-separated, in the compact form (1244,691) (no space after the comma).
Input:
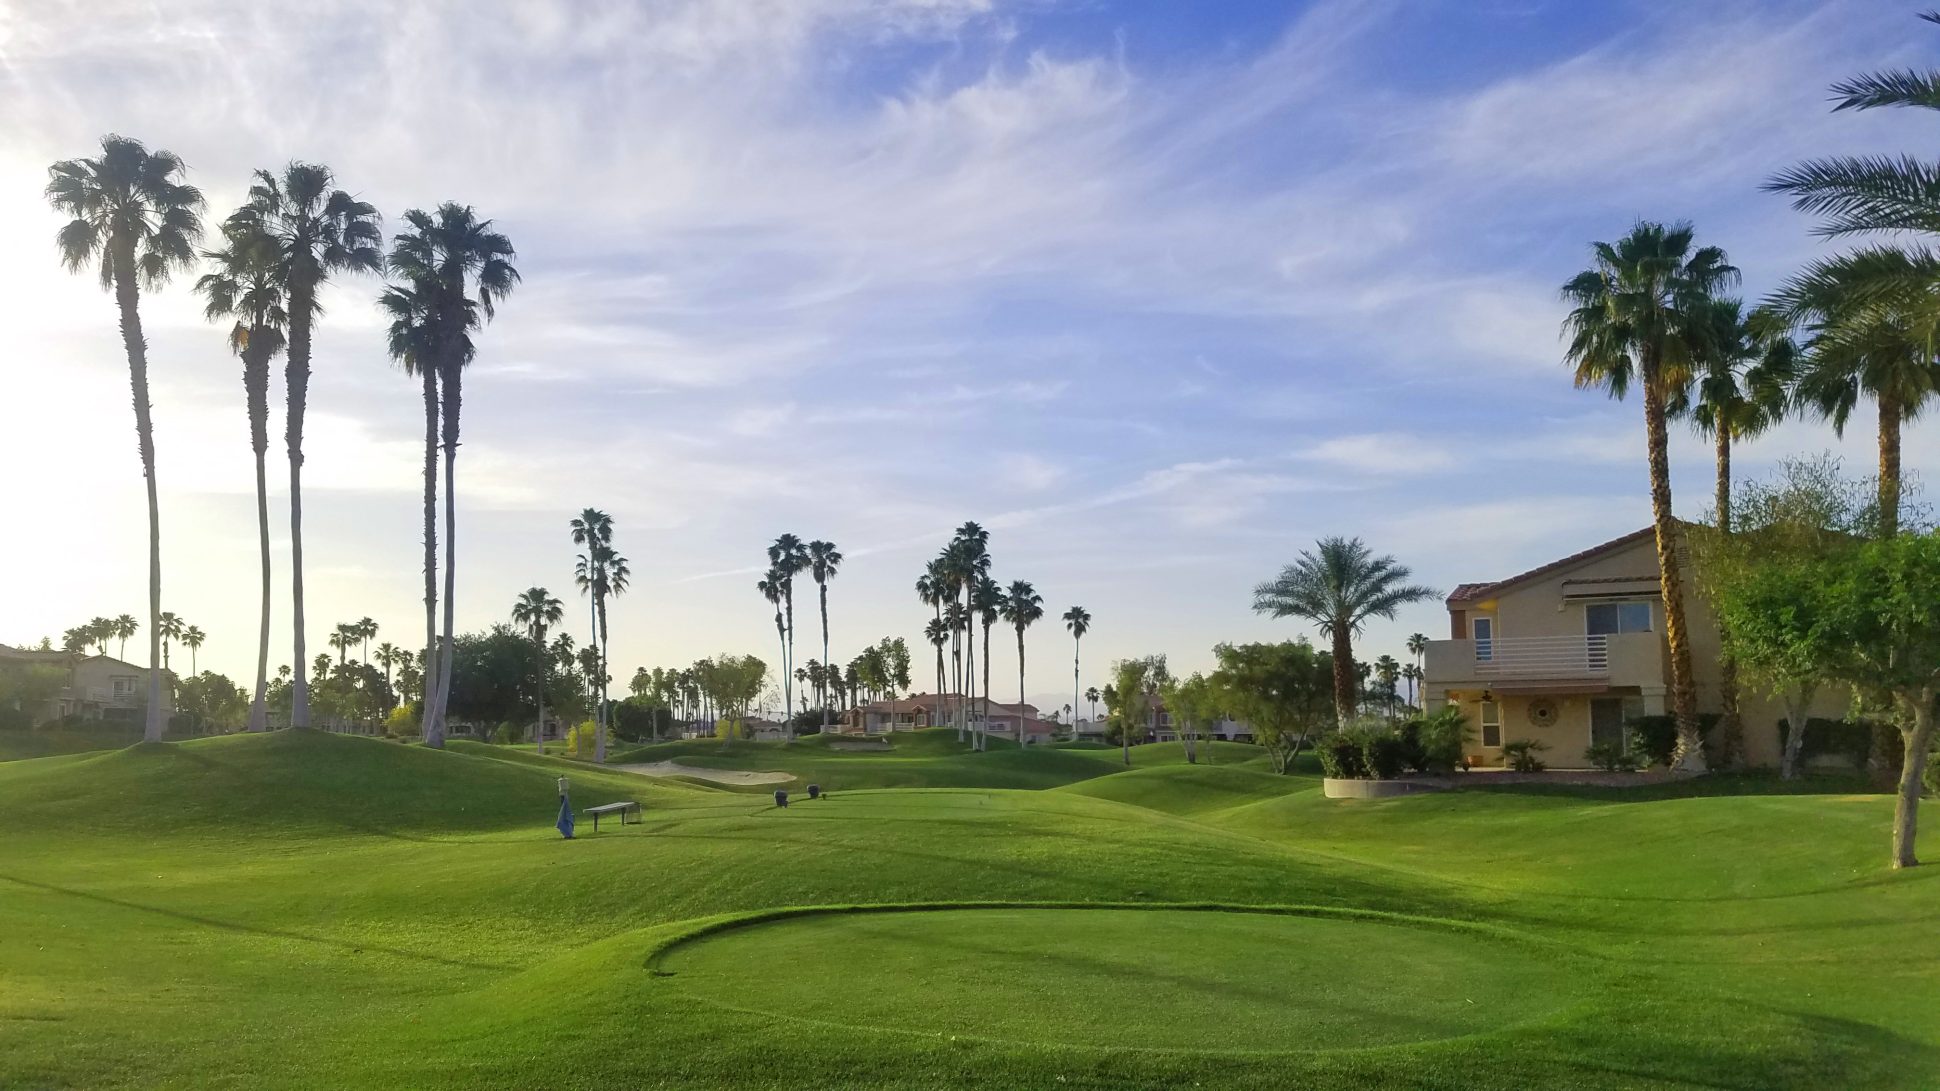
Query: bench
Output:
(622,809)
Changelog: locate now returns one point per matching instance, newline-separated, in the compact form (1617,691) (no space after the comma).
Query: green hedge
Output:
(1850,739)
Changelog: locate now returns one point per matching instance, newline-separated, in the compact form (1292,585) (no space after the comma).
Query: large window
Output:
(1608,715)
(1610,618)
(1490,715)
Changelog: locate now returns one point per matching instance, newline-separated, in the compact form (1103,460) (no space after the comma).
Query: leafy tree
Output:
(1868,616)
(1338,586)
(246,289)
(1283,690)
(211,700)
(1194,703)
(25,690)
(1643,314)
(317,230)
(136,220)
(462,269)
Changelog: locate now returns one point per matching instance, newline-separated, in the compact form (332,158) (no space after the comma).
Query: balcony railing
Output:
(1543,656)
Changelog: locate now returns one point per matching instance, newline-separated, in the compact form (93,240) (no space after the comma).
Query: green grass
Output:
(312,911)
(931,758)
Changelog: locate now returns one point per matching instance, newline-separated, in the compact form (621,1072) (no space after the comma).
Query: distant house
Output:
(1565,653)
(920,710)
(94,687)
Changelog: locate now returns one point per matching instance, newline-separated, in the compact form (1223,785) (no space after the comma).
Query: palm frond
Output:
(1859,194)
(1904,87)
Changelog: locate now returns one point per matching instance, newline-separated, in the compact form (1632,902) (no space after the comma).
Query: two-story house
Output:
(93,687)
(922,710)
(1565,653)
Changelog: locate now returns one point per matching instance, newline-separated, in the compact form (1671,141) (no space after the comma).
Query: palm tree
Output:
(134,218)
(1338,586)
(1091,697)
(938,636)
(247,288)
(614,575)
(192,639)
(1078,621)
(1387,671)
(411,339)
(787,557)
(770,586)
(316,230)
(1022,607)
(987,601)
(823,562)
(389,656)
(1418,647)
(366,632)
(170,629)
(1642,313)
(1412,674)
(536,609)
(592,529)
(99,632)
(929,588)
(125,627)
(463,268)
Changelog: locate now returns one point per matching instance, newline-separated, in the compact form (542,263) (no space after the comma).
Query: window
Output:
(1608,716)
(124,686)
(1483,629)
(1491,717)
(1609,618)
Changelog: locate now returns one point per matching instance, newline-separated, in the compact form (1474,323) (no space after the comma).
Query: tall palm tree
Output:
(938,636)
(412,341)
(1418,647)
(192,639)
(823,562)
(614,576)
(125,627)
(1642,314)
(929,589)
(770,587)
(956,621)
(366,632)
(246,287)
(1412,674)
(99,632)
(1338,586)
(317,231)
(536,609)
(1078,621)
(788,556)
(987,602)
(1091,697)
(137,221)
(463,266)
(592,529)
(1022,607)
(170,628)
(390,656)
(1387,671)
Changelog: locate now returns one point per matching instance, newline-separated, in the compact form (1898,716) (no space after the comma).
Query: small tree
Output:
(1193,702)
(1285,691)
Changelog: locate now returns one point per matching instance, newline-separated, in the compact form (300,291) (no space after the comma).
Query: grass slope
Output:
(311,911)
(931,758)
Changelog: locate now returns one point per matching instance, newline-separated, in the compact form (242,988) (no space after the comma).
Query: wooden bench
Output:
(623,809)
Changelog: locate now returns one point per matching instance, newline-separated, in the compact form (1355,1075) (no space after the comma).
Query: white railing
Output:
(1553,656)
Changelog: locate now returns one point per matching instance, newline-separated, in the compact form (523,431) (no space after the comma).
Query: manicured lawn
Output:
(316,911)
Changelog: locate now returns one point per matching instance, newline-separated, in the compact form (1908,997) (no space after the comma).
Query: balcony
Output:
(1628,659)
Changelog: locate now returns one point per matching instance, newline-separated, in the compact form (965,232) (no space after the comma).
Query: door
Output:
(1483,629)
(1607,717)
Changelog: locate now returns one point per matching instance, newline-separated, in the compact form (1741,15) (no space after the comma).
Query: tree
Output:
(1338,586)
(1643,314)
(1418,647)
(390,657)
(210,701)
(1387,672)
(536,610)
(1022,607)
(1129,678)
(1283,690)
(1078,621)
(366,632)
(192,639)
(316,231)
(171,629)
(938,636)
(463,268)
(137,221)
(823,561)
(246,288)
(412,341)
(787,558)
(987,604)
(1193,702)
(125,627)
(1091,696)
(771,588)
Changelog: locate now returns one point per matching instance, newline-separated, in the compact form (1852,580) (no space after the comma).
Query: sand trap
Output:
(718,776)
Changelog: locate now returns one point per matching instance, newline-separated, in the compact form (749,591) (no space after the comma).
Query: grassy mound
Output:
(931,758)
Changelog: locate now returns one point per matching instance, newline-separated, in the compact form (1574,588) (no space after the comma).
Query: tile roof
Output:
(1470,592)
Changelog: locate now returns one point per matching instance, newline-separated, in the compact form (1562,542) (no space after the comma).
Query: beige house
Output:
(1563,654)
(922,710)
(95,687)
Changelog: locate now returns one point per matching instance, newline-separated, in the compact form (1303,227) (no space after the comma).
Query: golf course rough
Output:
(1218,979)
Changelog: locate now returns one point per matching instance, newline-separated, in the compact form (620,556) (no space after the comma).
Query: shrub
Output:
(1383,755)
(507,733)
(1520,755)
(1612,758)
(1850,739)
(581,741)
(402,722)
(1340,757)
(1434,743)
(1654,738)
(1366,750)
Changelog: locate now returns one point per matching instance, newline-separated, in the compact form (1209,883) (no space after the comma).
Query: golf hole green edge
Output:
(1192,977)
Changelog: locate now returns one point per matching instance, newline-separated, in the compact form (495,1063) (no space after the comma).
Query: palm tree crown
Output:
(1338,586)
(132,213)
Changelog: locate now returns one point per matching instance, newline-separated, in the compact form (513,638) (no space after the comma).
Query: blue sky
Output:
(1159,292)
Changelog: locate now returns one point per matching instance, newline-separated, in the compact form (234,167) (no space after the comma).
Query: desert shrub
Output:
(1434,743)
(1520,755)
(1653,739)
(1612,758)
(1340,757)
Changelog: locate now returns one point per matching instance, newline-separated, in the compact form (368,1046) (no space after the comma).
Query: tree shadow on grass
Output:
(253,929)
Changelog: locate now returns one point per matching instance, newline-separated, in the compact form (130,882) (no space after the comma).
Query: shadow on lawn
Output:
(252,929)
(1710,785)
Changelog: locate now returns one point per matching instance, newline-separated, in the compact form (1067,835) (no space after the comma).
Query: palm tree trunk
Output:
(986,693)
(823,587)
(453,404)
(1075,642)
(259,705)
(1343,674)
(1731,728)
(431,721)
(296,373)
(127,300)
(788,666)
(1020,681)
(1891,416)
(1906,806)
(599,733)
(1689,755)
(545,675)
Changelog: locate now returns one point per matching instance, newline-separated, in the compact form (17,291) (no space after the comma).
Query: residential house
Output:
(920,710)
(1565,653)
(94,687)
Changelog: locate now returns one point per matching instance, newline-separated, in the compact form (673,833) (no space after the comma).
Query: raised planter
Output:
(1346,788)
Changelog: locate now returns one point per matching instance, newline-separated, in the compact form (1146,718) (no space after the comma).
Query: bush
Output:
(1520,755)
(1850,739)
(582,740)
(1383,755)
(1654,738)
(1340,757)
(1612,758)
(507,733)
(402,722)
(1364,751)
(1434,744)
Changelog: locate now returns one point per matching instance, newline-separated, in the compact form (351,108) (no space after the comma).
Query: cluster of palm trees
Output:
(789,557)
(601,574)
(352,634)
(98,632)
(136,221)
(1653,312)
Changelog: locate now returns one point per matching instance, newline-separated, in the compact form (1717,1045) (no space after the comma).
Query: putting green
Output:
(1127,978)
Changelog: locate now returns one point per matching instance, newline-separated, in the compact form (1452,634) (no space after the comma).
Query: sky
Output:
(1159,293)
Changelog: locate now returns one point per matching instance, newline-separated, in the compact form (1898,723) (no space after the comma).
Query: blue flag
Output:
(566,817)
